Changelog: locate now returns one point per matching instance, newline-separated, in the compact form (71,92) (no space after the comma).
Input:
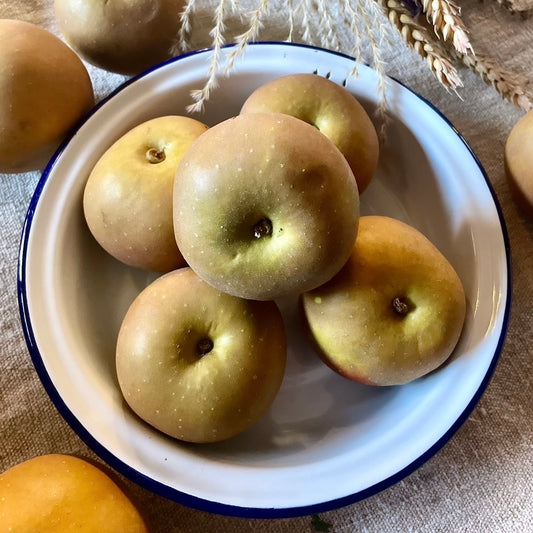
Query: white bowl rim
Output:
(175,494)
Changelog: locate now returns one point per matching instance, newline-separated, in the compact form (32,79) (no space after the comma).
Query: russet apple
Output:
(127,199)
(265,206)
(518,158)
(59,493)
(332,109)
(196,363)
(394,312)
(45,90)
(124,37)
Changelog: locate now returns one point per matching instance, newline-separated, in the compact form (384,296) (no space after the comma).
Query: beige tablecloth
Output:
(482,480)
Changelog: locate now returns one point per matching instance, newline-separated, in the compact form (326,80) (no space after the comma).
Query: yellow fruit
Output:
(331,109)
(59,493)
(127,200)
(44,90)
(124,37)
(393,313)
(519,162)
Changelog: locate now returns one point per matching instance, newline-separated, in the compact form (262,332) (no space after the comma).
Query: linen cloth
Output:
(482,480)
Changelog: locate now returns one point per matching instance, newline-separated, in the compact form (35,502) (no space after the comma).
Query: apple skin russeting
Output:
(237,217)
(196,363)
(331,109)
(127,200)
(40,100)
(394,312)
(276,171)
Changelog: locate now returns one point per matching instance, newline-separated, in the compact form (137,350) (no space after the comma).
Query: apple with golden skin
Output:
(395,311)
(196,363)
(59,493)
(45,90)
(127,199)
(518,158)
(265,206)
(332,109)
(119,36)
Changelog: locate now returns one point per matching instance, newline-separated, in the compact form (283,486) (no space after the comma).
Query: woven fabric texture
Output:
(482,480)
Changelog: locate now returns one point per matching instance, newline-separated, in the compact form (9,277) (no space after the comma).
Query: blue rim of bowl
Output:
(182,497)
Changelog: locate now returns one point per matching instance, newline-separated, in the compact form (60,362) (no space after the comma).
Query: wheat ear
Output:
(504,82)
(418,38)
(445,16)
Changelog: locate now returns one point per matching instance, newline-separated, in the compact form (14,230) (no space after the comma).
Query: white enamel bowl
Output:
(326,442)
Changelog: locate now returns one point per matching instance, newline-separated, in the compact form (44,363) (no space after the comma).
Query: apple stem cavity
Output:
(204,346)
(154,156)
(262,228)
(401,306)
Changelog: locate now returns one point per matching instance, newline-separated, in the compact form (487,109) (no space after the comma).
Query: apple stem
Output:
(204,346)
(154,156)
(401,306)
(263,228)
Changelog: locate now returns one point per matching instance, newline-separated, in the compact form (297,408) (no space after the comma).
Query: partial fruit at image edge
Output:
(121,37)
(329,107)
(265,206)
(60,493)
(127,200)
(518,158)
(394,313)
(45,90)
(196,363)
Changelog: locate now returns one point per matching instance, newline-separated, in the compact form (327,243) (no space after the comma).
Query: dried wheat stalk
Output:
(506,83)
(418,37)
(445,16)
(440,48)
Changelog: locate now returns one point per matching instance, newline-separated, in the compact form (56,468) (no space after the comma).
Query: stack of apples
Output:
(261,207)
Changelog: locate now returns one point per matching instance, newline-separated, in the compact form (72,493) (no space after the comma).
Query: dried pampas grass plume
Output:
(200,96)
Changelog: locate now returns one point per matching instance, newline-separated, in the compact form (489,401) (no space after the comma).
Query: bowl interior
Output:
(325,441)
